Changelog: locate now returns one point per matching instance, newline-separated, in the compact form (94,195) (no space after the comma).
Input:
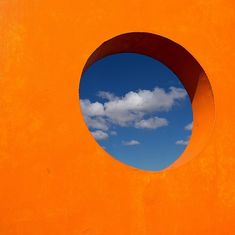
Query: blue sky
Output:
(137,110)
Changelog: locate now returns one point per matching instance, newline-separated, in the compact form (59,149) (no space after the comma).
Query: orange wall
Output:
(54,177)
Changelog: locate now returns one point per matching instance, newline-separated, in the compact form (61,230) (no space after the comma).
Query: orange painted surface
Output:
(54,177)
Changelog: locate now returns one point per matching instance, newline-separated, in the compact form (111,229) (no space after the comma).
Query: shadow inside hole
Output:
(187,69)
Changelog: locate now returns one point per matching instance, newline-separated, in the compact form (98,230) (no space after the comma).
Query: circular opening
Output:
(137,110)
(180,63)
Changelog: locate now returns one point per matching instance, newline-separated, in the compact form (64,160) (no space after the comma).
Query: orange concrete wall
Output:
(54,177)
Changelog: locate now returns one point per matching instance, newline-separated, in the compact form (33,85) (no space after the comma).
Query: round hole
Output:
(137,109)
(128,112)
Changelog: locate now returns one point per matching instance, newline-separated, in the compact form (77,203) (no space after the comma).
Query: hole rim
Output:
(194,79)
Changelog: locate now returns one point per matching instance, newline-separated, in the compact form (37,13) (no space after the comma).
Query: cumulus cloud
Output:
(189,127)
(151,123)
(182,142)
(131,142)
(97,123)
(91,109)
(100,135)
(134,105)
(130,109)
(106,95)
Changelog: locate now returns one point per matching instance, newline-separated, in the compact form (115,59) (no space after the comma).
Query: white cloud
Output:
(97,123)
(131,142)
(130,109)
(182,142)
(151,123)
(106,95)
(100,135)
(134,105)
(189,127)
(113,133)
(91,109)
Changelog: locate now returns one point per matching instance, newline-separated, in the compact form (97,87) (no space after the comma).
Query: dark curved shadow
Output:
(178,59)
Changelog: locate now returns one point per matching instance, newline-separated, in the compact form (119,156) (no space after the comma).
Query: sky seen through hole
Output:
(137,110)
